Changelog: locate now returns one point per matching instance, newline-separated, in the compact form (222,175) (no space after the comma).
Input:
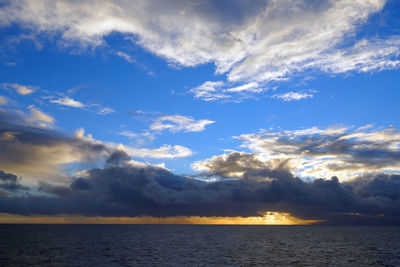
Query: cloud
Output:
(293,96)
(178,123)
(66,101)
(76,88)
(10,182)
(219,91)
(237,165)
(20,89)
(160,123)
(38,115)
(165,151)
(34,150)
(250,44)
(125,188)
(3,100)
(126,57)
(96,108)
(335,151)
(140,138)
(105,110)
(210,91)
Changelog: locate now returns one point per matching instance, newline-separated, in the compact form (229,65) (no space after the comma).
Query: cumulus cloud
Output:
(20,89)
(178,123)
(31,149)
(336,151)
(247,184)
(125,188)
(251,43)
(238,165)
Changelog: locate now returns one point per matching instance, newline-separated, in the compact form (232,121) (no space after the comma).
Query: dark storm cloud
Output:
(10,182)
(123,188)
(249,185)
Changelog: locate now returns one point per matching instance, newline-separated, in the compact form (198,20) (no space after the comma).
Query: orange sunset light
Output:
(267,218)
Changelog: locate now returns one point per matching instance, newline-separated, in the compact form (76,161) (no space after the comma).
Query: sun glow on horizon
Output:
(267,218)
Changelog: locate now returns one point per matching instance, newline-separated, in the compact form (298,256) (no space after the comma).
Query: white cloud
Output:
(38,115)
(20,89)
(178,123)
(3,100)
(140,138)
(125,56)
(105,110)
(210,91)
(291,96)
(96,108)
(335,151)
(251,43)
(165,151)
(215,91)
(66,101)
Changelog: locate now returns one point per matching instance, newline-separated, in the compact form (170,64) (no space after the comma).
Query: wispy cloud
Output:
(178,123)
(263,42)
(66,101)
(165,151)
(293,96)
(70,102)
(160,123)
(219,91)
(140,138)
(3,100)
(38,115)
(76,88)
(20,89)
(126,57)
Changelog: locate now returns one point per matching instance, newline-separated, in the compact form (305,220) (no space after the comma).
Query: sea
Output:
(198,245)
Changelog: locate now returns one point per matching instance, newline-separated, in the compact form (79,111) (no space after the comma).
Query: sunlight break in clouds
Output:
(258,43)
(268,218)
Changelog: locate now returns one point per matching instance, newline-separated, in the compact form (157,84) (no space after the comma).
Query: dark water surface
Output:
(191,245)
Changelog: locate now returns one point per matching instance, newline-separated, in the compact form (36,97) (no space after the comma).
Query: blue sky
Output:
(187,84)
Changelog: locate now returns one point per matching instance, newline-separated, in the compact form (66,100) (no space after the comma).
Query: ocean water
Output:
(198,245)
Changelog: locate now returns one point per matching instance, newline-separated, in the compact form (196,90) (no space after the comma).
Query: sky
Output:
(263,111)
